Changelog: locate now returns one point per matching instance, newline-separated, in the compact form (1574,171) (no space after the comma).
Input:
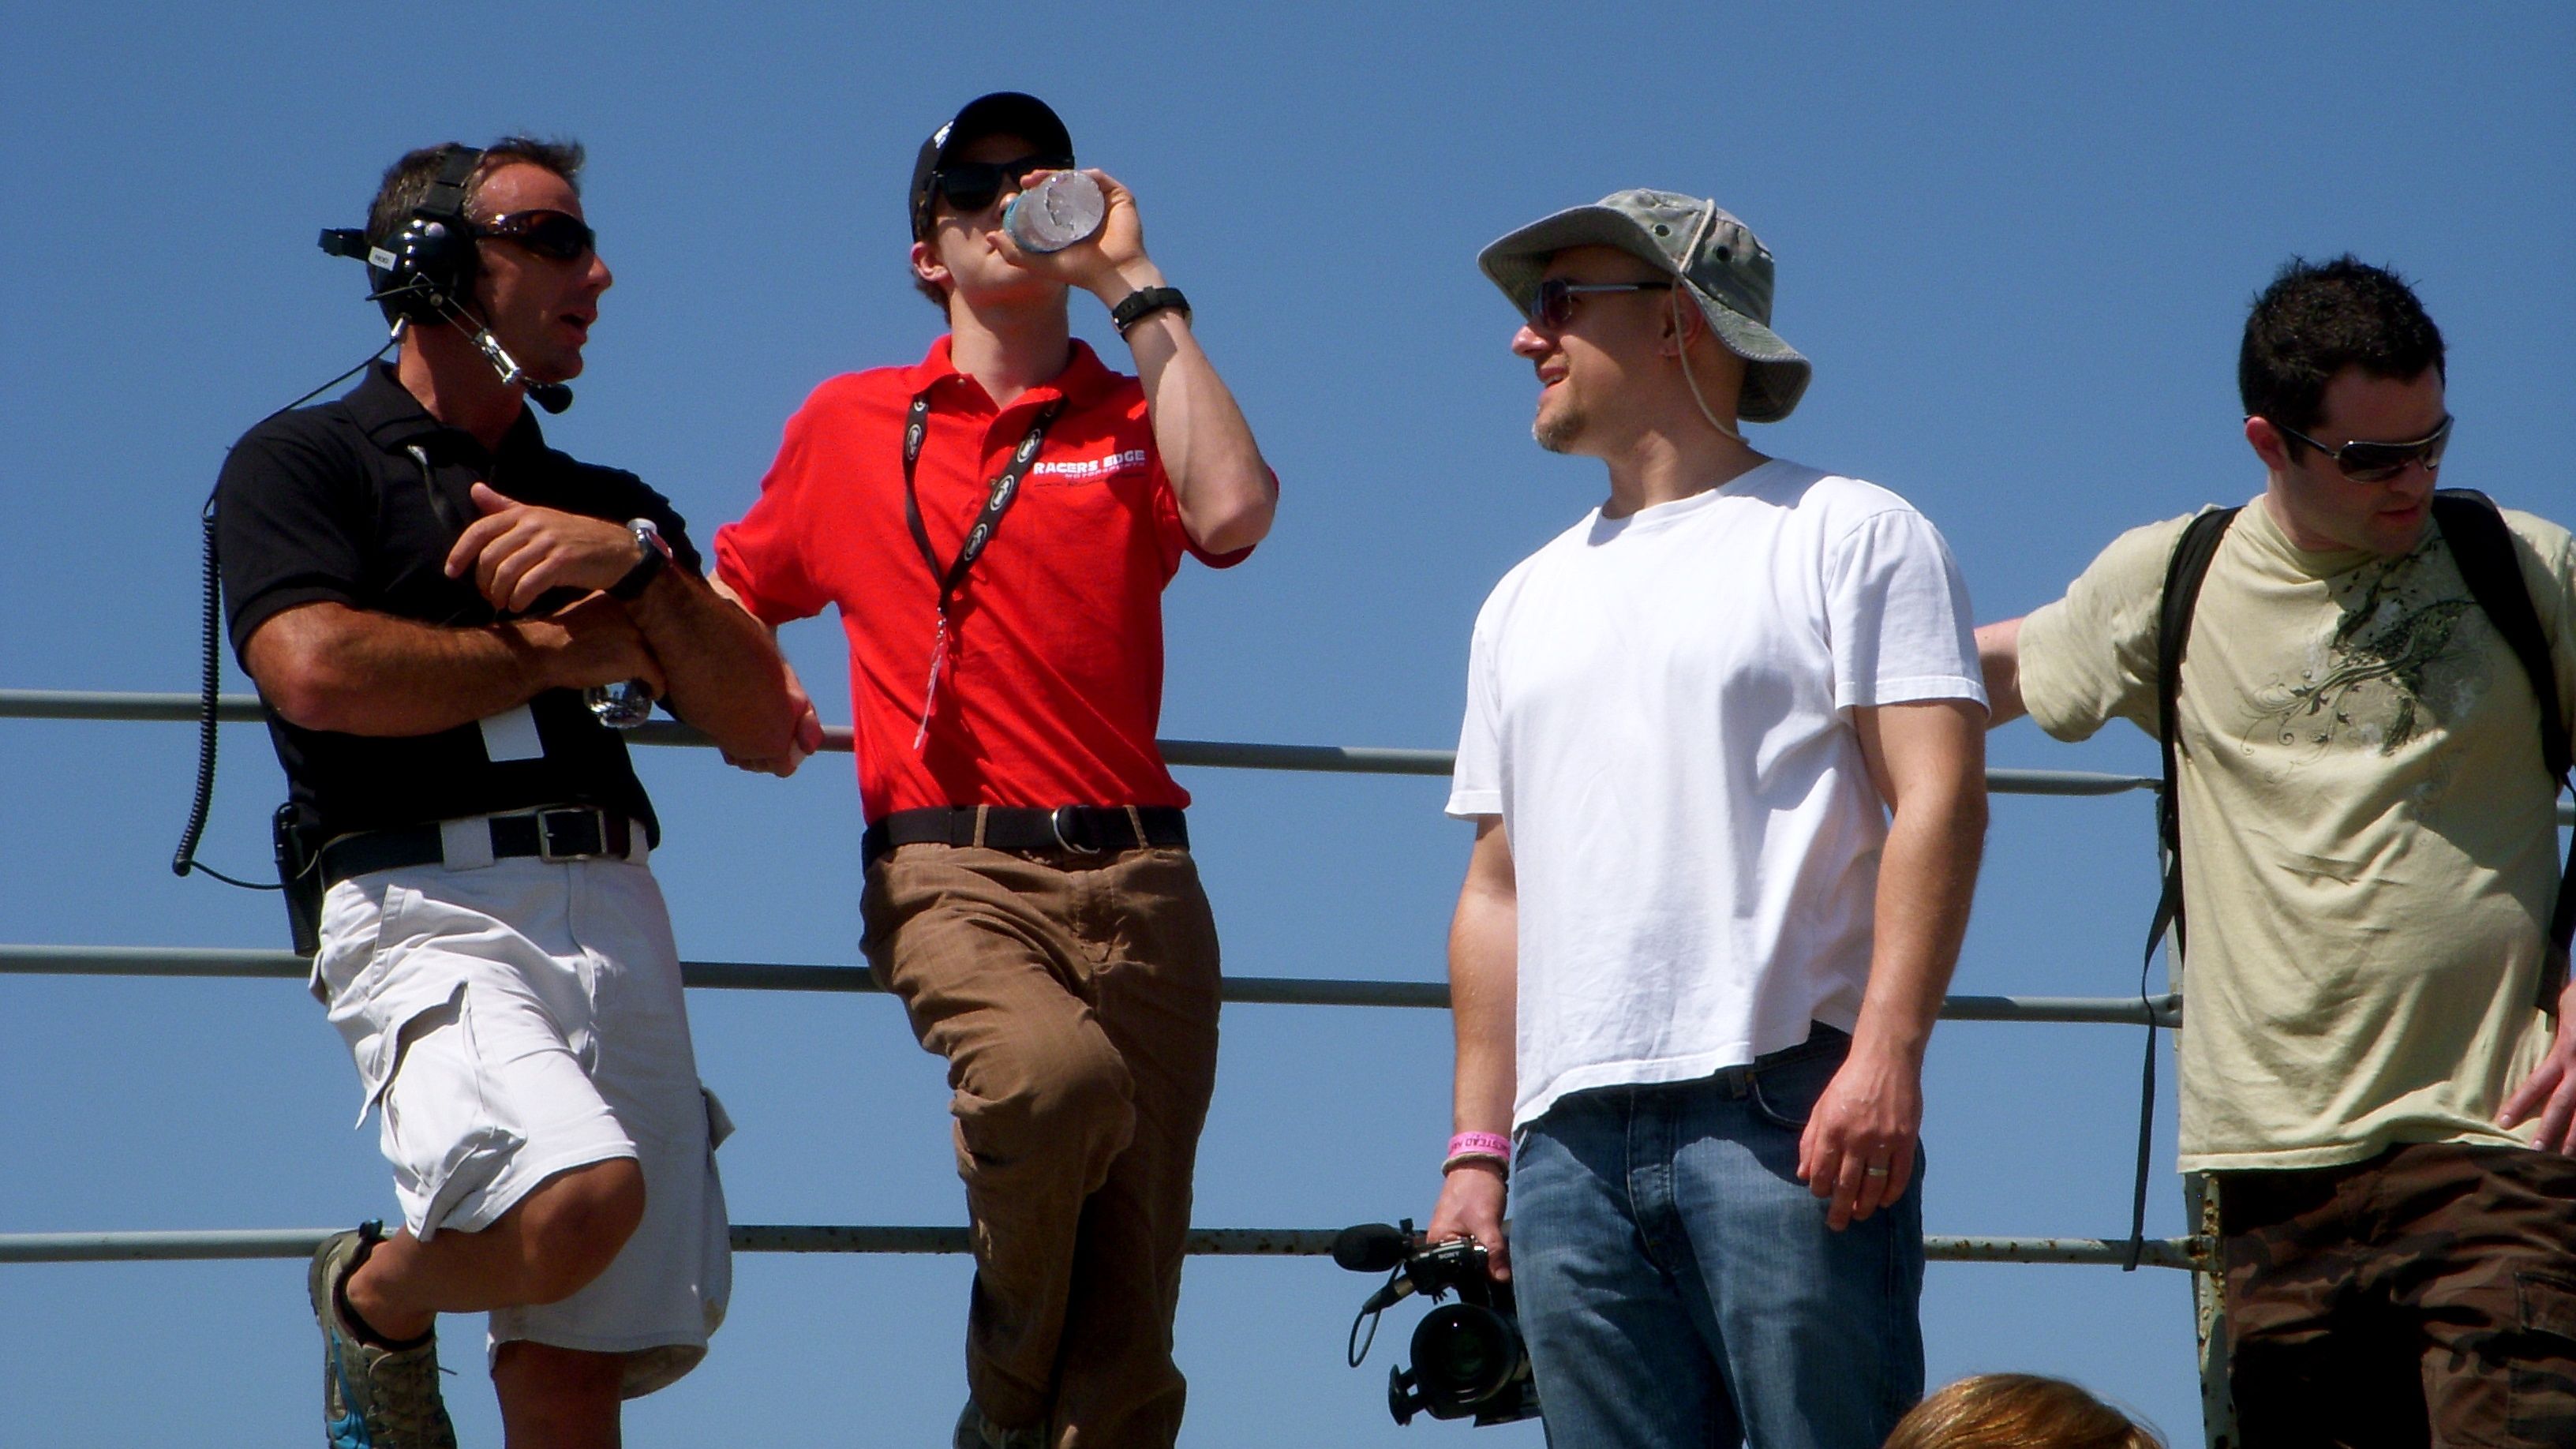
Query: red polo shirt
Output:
(1053,684)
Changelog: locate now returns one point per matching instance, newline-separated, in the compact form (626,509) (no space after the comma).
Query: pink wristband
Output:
(1481,1144)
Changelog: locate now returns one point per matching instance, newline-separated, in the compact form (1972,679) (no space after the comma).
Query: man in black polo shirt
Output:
(423,590)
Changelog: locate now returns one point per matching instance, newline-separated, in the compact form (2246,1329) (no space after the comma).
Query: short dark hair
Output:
(407,181)
(2315,320)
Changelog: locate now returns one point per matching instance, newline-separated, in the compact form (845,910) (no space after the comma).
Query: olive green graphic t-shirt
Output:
(2369,837)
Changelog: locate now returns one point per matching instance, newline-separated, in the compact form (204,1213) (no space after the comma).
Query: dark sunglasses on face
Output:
(1552,305)
(2379,462)
(553,234)
(970,186)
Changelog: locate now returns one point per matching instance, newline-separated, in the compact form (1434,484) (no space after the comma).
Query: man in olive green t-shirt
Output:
(2369,861)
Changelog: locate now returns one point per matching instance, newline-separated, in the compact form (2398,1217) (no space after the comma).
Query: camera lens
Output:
(1464,1354)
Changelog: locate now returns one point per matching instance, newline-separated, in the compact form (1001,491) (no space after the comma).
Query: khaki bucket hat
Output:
(1725,268)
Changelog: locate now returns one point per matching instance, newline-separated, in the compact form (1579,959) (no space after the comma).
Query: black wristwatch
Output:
(1144,302)
(652,555)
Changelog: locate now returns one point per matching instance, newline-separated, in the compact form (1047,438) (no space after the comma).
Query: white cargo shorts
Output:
(518,1019)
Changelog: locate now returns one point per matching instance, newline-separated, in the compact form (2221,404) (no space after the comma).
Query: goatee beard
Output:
(1557,433)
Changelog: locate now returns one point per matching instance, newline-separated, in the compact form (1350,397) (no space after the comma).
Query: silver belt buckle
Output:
(1056,820)
(547,849)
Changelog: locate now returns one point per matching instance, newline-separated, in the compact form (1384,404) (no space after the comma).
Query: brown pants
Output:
(1075,998)
(2424,1297)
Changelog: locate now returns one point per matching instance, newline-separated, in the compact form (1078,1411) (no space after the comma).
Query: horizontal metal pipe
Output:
(783,1238)
(1214,754)
(1219,754)
(222,962)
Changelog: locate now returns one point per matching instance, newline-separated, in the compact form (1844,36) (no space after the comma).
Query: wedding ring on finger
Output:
(1873,1172)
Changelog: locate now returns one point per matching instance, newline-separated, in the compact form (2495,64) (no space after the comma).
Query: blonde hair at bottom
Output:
(2018,1411)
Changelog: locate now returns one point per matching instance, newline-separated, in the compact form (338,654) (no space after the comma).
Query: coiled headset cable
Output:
(210,677)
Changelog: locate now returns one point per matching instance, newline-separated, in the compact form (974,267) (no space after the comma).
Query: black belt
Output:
(1077,829)
(570,833)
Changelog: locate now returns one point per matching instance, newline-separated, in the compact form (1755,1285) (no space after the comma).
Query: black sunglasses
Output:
(970,186)
(1552,305)
(555,234)
(2379,462)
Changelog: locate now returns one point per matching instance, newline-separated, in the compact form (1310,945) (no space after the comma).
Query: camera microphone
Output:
(1371,1247)
(1387,1297)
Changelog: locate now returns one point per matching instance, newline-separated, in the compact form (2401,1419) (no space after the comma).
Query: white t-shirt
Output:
(1655,706)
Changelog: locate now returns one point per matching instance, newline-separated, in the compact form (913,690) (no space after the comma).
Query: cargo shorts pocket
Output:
(377,978)
(448,1128)
(719,1121)
(2541,1384)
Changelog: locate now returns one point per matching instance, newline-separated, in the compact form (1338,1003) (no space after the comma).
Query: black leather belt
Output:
(1075,829)
(570,833)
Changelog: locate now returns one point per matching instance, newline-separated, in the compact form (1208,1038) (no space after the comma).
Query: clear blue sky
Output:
(2017,241)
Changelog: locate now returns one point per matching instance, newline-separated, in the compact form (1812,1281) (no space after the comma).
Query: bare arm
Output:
(1999,657)
(726,676)
(327,666)
(1928,760)
(1484,975)
(807,735)
(1226,494)
(720,670)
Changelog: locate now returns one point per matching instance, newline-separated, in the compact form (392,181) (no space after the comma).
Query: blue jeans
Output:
(1678,1285)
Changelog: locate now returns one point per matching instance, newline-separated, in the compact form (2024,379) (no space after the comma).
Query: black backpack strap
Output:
(2483,548)
(2190,564)
(2183,575)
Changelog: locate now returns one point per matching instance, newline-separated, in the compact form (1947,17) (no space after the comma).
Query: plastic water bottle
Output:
(620,706)
(1063,208)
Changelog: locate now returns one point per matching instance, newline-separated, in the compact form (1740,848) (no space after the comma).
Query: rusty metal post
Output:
(2209,1312)
(2208,1279)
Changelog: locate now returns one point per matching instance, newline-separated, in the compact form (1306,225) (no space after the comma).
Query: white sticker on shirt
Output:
(512,735)
(1089,470)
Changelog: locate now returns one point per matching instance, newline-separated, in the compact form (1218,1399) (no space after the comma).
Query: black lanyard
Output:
(1006,489)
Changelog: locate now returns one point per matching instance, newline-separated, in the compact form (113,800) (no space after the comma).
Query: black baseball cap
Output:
(1001,113)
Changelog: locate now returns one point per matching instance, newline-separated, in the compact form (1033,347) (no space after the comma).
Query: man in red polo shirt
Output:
(997,524)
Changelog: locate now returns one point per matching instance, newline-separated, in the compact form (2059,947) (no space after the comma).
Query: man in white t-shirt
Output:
(1723,748)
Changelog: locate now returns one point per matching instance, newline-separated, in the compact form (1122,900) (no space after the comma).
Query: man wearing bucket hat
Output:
(1723,753)
(996,524)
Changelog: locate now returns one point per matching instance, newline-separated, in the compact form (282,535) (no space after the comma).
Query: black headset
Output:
(424,273)
(427,267)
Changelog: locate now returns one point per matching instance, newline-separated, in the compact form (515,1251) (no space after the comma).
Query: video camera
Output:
(1468,1359)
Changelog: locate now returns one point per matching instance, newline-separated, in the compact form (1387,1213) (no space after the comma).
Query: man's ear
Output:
(927,266)
(2268,444)
(1683,325)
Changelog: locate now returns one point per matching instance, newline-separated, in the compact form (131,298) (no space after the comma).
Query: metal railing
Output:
(205,962)
(2195,1253)
(750,1238)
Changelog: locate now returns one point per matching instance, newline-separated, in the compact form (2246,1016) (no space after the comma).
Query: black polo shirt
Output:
(331,503)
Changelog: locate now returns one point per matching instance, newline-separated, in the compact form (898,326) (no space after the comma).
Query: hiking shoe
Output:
(372,1398)
(974,1431)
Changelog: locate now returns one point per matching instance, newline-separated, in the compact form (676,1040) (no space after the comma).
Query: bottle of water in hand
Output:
(1063,208)
(620,706)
